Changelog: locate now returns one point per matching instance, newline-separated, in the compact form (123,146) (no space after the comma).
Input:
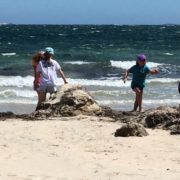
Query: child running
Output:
(139,71)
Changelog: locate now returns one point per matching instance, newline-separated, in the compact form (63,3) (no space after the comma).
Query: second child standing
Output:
(139,72)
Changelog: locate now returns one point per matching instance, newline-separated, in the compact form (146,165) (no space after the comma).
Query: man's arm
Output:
(62,75)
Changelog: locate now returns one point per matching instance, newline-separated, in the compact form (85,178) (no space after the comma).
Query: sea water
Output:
(94,56)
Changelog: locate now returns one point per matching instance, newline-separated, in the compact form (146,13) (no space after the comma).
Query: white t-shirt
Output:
(48,70)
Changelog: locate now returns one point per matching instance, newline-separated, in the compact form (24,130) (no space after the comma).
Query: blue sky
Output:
(90,11)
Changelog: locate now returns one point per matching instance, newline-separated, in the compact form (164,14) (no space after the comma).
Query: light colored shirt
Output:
(48,70)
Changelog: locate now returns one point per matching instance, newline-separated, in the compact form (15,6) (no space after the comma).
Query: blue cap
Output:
(141,57)
(49,50)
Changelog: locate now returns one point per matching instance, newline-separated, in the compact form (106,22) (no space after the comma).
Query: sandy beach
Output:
(84,148)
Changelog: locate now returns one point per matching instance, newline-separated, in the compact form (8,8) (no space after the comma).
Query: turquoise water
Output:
(94,56)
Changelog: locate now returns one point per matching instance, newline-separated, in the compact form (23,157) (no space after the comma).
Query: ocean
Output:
(94,56)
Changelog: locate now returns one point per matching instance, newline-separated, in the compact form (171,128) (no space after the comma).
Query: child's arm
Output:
(154,71)
(125,76)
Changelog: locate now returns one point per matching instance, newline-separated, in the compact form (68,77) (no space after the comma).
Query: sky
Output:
(120,12)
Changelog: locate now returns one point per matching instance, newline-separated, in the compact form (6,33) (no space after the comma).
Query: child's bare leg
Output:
(138,101)
(135,104)
(136,90)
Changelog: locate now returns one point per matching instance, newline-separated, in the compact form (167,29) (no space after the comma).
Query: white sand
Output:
(84,150)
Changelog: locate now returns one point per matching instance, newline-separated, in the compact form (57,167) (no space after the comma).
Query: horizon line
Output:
(89,24)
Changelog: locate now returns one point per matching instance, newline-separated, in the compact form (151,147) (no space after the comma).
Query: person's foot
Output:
(141,110)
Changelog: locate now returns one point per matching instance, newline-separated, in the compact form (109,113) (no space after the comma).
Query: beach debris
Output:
(175,128)
(167,118)
(6,115)
(131,129)
(162,117)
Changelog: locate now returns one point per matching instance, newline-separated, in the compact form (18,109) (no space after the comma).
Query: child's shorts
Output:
(134,85)
(47,89)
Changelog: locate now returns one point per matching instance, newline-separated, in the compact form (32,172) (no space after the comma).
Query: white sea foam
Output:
(9,54)
(18,81)
(162,102)
(62,34)
(115,82)
(129,64)
(111,45)
(163,27)
(162,80)
(18,101)
(112,92)
(20,93)
(74,29)
(104,83)
(117,102)
(169,54)
(3,24)
(145,102)
(77,62)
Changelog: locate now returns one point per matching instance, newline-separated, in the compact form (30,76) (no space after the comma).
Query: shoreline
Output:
(19,109)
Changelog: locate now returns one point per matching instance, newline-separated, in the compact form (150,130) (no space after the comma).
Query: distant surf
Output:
(18,81)
(129,64)
(77,62)
(8,54)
